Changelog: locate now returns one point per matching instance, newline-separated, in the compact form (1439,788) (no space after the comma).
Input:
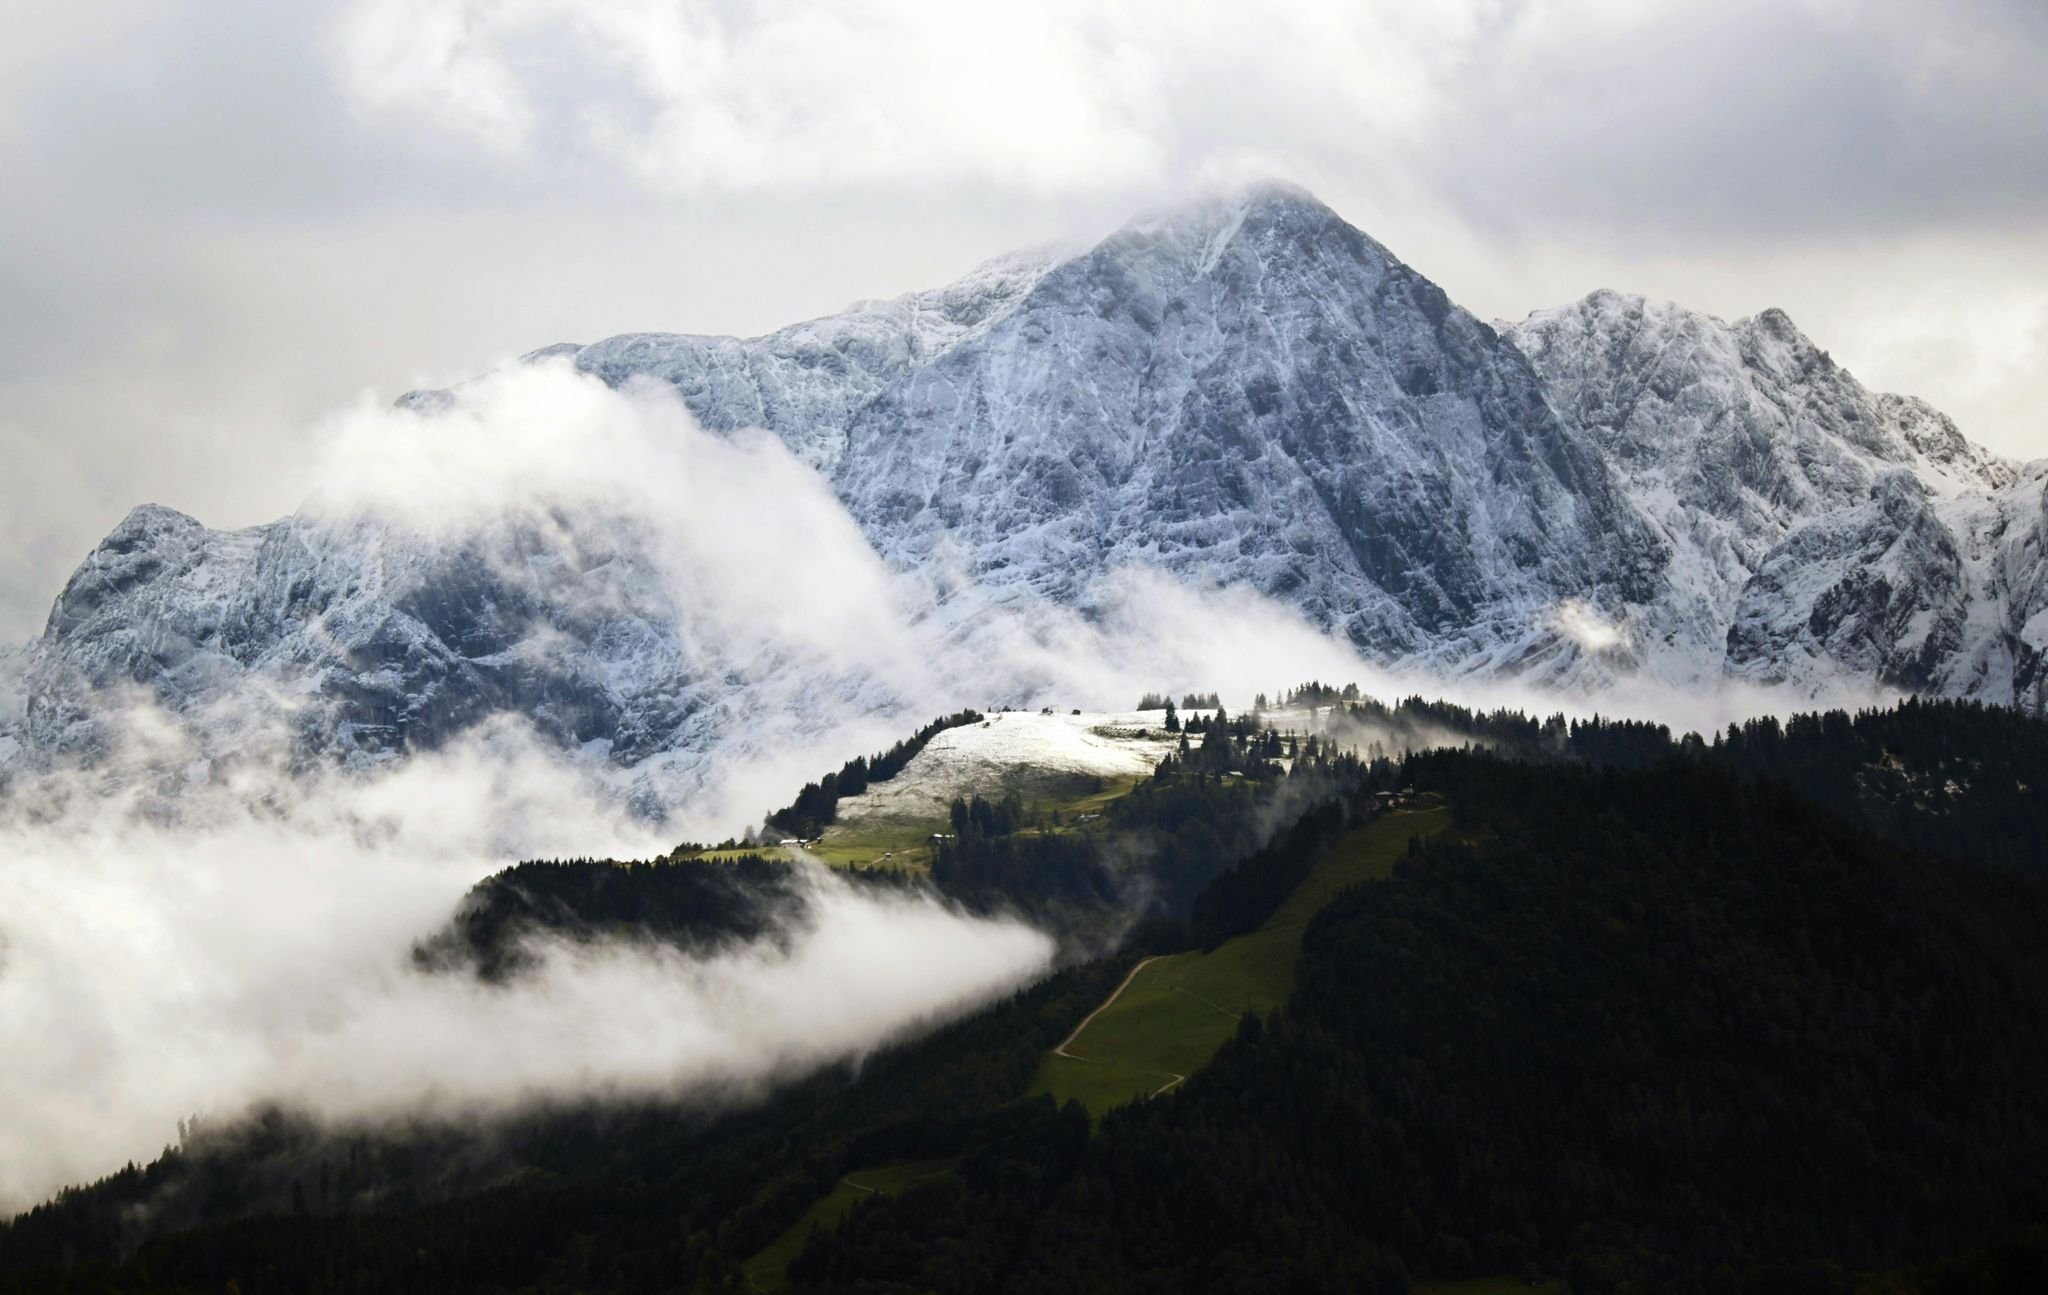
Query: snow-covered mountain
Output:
(359,634)
(1245,391)
(356,636)
(1815,531)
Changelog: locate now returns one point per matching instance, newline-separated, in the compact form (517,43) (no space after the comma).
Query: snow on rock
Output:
(1245,391)
(1815,532)
(1875,591)
(809,381)
(1252,391)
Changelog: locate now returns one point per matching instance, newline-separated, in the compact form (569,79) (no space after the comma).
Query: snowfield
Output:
(1032,754)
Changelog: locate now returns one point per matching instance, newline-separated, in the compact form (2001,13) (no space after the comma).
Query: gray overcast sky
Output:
(222,221)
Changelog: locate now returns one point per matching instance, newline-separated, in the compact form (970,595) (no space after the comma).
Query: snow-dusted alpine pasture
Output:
(1065,762)
(1040,757)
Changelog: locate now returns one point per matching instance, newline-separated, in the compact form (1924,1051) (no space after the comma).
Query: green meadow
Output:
(1177,1010)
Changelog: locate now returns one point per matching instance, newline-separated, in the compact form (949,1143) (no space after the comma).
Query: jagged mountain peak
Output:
(1247,389)
(145,520)
(1774,323)
(1241,390)
(1196,234)
(1223,210)
(1819,529)
(1773,343)
(1618,313)
(149,541)
(1650,377)
(815,373)
(551,351)
(1611,318)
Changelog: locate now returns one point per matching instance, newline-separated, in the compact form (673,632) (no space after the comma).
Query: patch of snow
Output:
(1015,750)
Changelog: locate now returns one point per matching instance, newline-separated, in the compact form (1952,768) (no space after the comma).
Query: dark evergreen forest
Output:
(1761,1011)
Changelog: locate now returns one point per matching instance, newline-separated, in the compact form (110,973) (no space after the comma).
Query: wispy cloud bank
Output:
(257,951)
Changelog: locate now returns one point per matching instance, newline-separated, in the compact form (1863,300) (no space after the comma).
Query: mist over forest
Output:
(877,649)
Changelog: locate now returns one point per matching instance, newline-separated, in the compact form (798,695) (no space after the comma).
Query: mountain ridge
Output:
(1245,391)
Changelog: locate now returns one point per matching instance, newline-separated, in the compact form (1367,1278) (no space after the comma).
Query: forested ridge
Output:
(683,902)
(648,1197)
(1662,1013)
(1957,778)
(1660,1030)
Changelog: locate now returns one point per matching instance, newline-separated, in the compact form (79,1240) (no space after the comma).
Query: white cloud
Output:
(1051,96)
(435,58)
(1582,623)
(259,952)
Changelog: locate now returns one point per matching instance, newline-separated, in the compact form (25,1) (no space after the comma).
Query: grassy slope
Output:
(870,845)
(882,844)
(906,843)
(1179,1009)
(768,1271)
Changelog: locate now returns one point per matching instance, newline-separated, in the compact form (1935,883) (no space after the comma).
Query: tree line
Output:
(1659,1013)
(1667,1029)
(816,806)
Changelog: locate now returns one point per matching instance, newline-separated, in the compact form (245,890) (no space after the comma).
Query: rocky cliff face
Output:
(364,635)
(1816,532)
(1248,391)
(1256,392)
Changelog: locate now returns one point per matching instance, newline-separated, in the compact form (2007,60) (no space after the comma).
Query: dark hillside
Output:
(1660,1027)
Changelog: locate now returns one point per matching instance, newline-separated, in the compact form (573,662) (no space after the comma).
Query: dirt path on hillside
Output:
(1172,1080)
(1061,1051)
